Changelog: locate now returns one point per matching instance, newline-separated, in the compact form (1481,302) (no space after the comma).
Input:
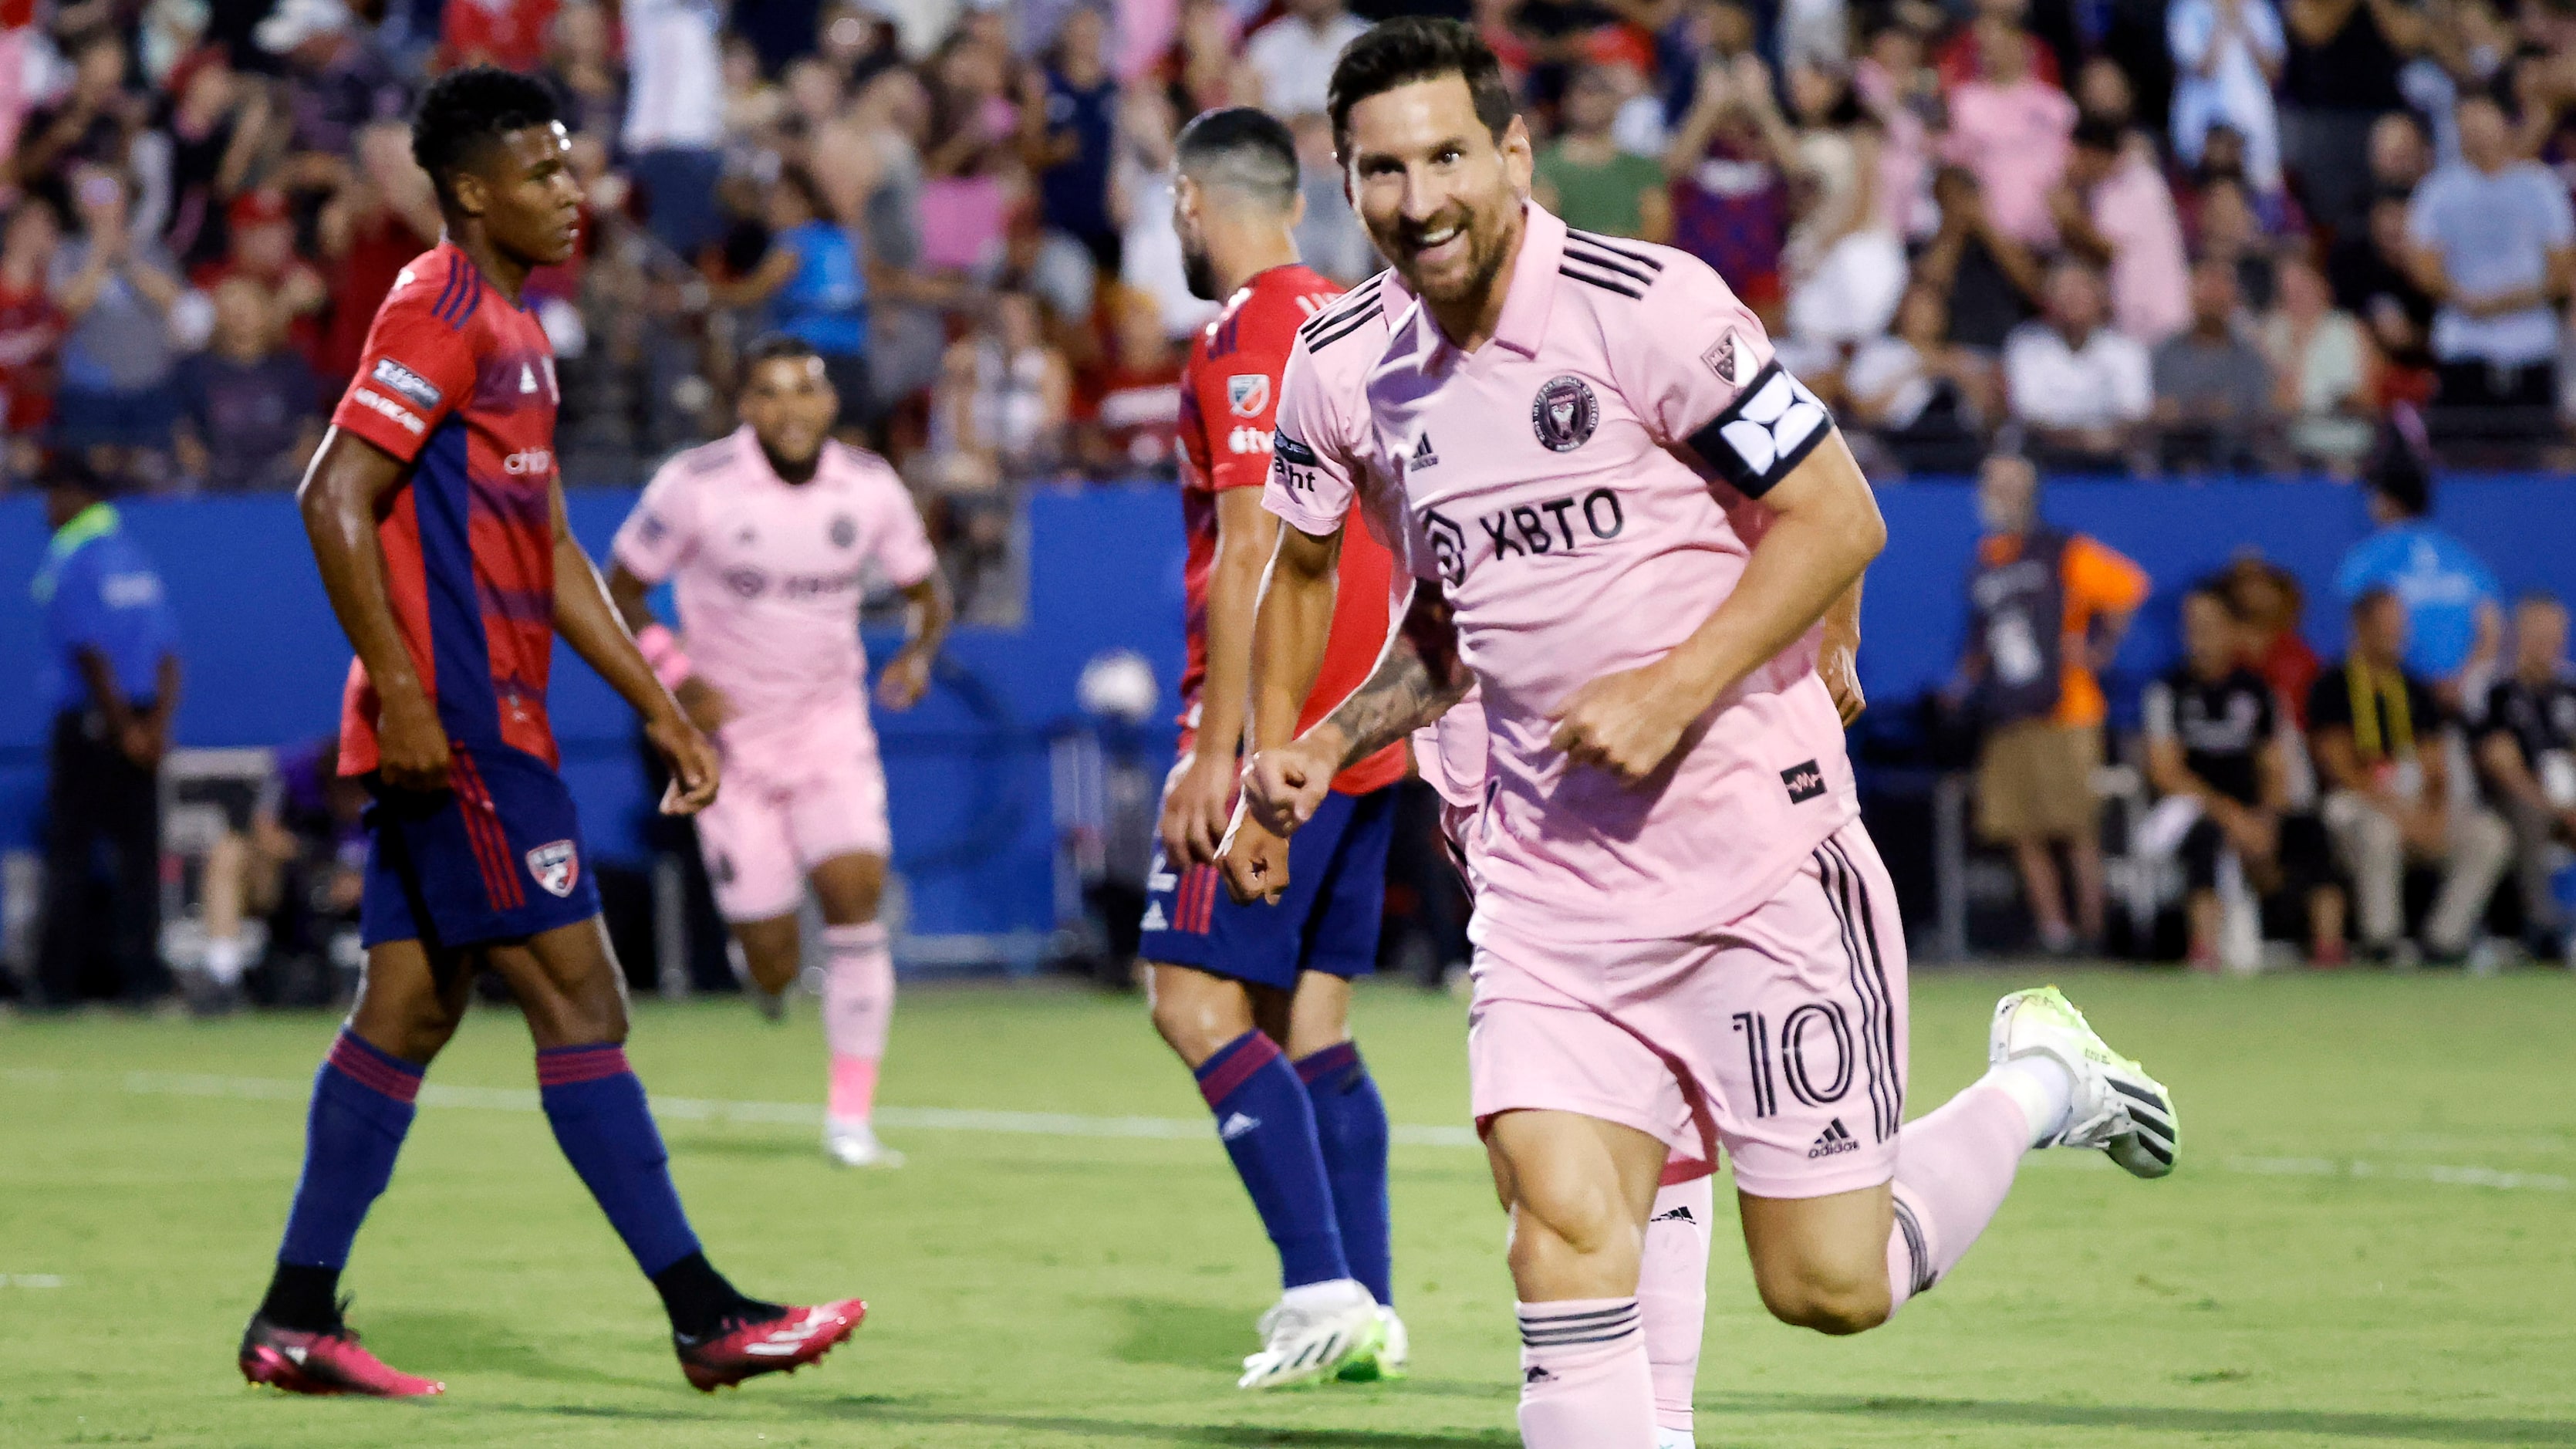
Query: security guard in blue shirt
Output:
(111,673)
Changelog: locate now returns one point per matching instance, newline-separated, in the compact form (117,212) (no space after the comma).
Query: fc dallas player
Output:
(437,518)
(1234,984)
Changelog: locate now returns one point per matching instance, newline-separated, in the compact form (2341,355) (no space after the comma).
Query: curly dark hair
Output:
(1413,48)
(466,110)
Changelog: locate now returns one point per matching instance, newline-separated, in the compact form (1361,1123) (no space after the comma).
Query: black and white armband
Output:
(1770,428)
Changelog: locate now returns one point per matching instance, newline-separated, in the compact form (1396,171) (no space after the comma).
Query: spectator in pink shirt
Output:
(2114,208)
(2010,127)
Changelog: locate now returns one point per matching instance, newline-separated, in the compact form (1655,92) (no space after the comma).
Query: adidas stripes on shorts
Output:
(1780,1038)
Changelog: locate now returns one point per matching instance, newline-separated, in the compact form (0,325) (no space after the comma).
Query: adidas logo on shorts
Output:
(1235,1126)
(1835,1138)
(1681,1214)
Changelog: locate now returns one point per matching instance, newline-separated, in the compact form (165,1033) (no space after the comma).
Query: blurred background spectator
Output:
(2049,610)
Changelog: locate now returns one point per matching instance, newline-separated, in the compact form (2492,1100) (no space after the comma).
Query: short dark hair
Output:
(2215,590)
(1413,48)
(2098,133)
(2372,597)
(67,468)
(774,347)
(465,111)
(1241,148)
(2400,470)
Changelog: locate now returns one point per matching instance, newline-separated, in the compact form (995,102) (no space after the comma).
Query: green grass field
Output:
(2368,1241)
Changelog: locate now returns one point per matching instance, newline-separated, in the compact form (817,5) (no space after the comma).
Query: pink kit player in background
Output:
(769,575)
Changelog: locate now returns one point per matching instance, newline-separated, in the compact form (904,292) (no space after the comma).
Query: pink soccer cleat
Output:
(323,1363)
(783,1344)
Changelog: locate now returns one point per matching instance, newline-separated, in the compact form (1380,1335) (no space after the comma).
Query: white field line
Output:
(31,1280)
(1169,1129)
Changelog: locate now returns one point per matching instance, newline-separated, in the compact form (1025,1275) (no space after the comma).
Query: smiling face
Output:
(1441,196)
(524,192)
(790,405)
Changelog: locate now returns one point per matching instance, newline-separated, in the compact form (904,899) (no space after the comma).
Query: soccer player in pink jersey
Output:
(769,537)
(1680,914)
(1325,454)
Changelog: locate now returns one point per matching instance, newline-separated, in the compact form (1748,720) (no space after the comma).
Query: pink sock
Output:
(1584,1379)
(854,1088)
(1672,1294)
(1952,1171)
(858,1006)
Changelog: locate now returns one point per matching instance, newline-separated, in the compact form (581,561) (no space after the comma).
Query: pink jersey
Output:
(1325,458)
(1561,485)
(769,575)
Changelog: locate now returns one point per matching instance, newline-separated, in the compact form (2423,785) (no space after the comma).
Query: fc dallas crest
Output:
(557,866)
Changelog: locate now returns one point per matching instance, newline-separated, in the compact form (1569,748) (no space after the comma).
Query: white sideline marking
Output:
(31,1280)
(1165,1129)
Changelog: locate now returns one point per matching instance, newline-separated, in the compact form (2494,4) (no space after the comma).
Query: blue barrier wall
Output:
(968,770)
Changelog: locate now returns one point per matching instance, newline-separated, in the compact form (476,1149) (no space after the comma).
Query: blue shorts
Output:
(1327,922)
(497,858)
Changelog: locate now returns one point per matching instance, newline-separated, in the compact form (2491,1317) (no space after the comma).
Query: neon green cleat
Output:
(2118,1109)
(1393,1354)
(1311,1333)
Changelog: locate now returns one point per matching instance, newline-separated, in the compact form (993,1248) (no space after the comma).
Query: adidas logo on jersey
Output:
(1154,920)
(1680,1214)
(1835,1138)
(1236,1125)
(1423,456)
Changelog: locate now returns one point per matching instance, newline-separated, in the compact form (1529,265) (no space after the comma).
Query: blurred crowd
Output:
(2142,236)
(2413,802)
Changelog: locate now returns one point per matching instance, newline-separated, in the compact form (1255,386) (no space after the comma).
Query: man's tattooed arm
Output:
(1417,679)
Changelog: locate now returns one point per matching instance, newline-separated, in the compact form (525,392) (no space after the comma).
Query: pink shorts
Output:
(780,814)
(1781,1038)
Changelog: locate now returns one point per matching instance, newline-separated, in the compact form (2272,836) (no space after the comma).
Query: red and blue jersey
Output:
(458,383)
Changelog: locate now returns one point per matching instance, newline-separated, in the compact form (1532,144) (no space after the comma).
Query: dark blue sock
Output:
(1350,1125)
(362,1106)
(602,1125)
(1269,1130)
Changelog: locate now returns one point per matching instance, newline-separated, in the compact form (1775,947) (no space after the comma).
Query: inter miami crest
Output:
(845,530)
(1564,413)
(557,866)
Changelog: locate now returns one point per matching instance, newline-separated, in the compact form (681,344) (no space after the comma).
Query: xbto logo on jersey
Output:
(1552,525)
(1448,545)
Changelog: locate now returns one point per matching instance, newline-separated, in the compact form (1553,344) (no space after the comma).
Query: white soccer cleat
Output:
(1674,1439)
(1393,1355)
(1311,1332)
(2117,1108)
(855,1144)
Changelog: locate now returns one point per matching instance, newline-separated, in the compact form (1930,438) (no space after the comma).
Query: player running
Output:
(1232,985)
(1326,452)
(437,517)
(768,535)
(1325,448)
(1680,912)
